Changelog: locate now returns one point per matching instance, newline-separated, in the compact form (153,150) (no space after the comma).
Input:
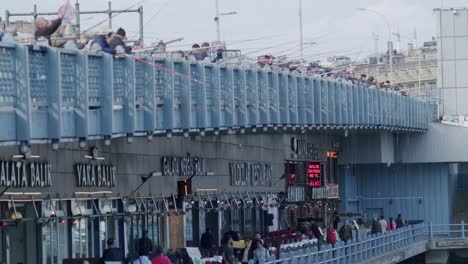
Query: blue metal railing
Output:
(448,231)
(355,251)
(56,94)
(367,247)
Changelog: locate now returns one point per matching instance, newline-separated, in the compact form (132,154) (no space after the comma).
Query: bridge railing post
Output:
(462,229)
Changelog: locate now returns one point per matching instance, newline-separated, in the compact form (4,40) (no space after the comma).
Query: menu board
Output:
(314,174)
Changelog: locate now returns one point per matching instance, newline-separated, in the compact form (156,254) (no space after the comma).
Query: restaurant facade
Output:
(64,200)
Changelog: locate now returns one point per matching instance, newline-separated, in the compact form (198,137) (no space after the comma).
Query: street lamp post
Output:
(301,37)
(390,44)
(216,19)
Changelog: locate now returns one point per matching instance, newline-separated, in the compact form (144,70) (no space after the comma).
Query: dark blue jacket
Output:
(113,254)
(101,41)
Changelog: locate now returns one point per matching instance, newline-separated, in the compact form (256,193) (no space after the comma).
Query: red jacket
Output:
(331,236)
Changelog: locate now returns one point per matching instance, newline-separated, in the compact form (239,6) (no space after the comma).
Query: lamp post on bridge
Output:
(390,43)
(216,19)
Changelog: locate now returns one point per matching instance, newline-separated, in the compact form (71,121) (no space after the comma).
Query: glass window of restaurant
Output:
(148,218)
(18,238)
(54,232)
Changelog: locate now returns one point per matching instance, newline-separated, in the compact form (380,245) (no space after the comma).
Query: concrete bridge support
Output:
(437,257)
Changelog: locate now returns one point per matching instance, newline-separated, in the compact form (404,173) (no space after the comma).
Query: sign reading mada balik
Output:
(25,174)
(95,175)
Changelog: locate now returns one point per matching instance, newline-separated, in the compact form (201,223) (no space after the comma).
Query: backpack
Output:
(331,236)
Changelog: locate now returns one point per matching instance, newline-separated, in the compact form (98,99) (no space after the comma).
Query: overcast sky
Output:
(336,26)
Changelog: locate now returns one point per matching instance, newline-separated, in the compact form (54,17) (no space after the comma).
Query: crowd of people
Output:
(148,253)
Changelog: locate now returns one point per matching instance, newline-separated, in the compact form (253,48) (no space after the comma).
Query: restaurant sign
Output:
(95,175)
(183,166)
(25,174)
(250,174)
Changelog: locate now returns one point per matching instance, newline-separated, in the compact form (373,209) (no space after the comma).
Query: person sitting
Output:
(112,253)
(117,40)
(102,40)
(45,28)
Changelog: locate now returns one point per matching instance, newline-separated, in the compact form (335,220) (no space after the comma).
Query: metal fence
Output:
(57,94)
(355,251)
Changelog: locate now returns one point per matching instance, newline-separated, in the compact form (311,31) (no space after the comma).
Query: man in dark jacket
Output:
(112,253)
(145,245)
(206,242)
(346,232)
(117,40)
(101,39)
(376,227)
(45,28)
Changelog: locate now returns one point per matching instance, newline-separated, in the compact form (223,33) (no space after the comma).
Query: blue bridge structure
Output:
(53,95)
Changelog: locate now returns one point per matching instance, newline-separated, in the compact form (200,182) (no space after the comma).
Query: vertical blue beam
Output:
(54,96)
(309,101)
(226,97)
(149,114)
(356,106)
(341,101)
(168,108)
(197,96)
(317,110)
(292,96)
(251,96)
(107,95)
(350,104)
(216,97)
(240,99)
(366,106)
(273,86)
(301,100)
(263,98)
(129,98)
(284,100)
(332,110)
(184,96)
(324,106)
(23,94)
(82,102)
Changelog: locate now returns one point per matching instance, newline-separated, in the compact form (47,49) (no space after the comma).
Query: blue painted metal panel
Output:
(309,100)
(72,95)
(197,97)
(263,104)
(15,85)
(252,97)
(301,100)
(324,106)
(227,97)
(317,83)
(292,96)
(388,189)
(273,98)
(240,99)
(145,96)
(54,95)
(366,106)
(331,103)
(283,98)
(82,103)
(107,97)
(182,84)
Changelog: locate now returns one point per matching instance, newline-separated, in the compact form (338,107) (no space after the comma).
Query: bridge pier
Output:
(437,256)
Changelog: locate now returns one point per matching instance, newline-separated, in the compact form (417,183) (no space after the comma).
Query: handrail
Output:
(366,248)
(50,94)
